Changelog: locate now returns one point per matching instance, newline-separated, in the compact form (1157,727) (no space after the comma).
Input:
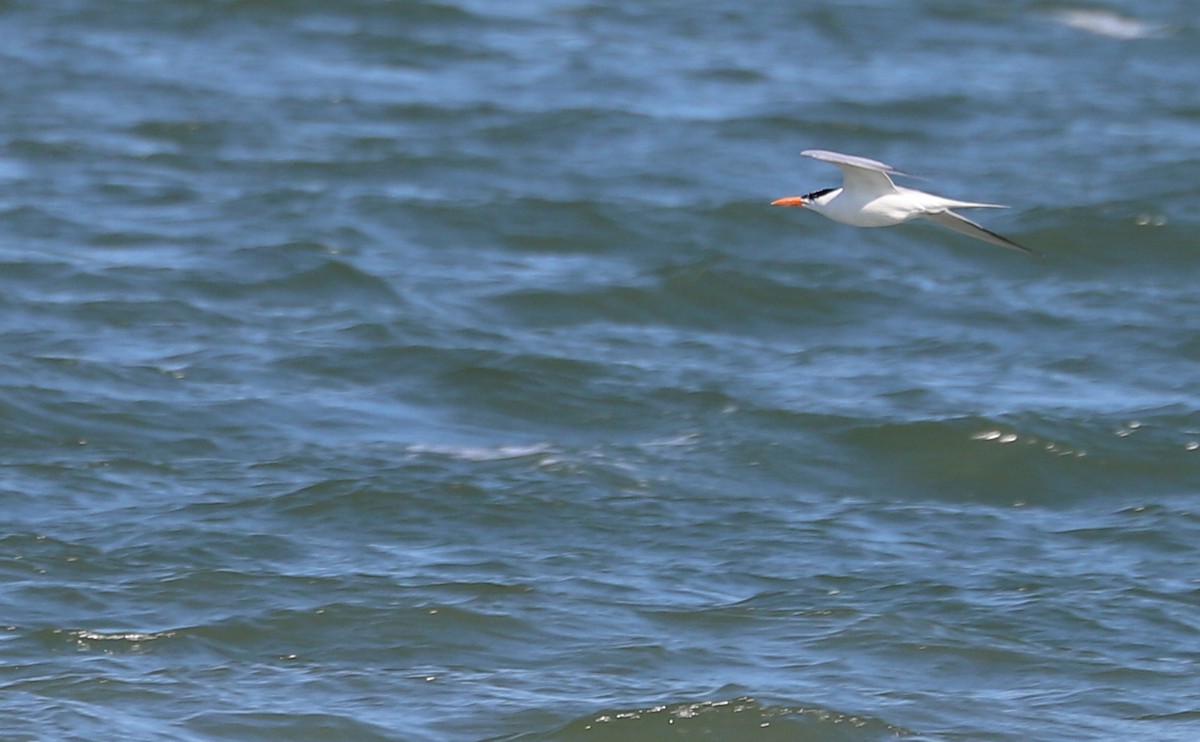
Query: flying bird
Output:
(869,198)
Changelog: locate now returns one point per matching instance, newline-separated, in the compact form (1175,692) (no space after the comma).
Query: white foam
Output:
(482,453)
(1107,23)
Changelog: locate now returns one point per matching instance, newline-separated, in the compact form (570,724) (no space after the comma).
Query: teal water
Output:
(423,371)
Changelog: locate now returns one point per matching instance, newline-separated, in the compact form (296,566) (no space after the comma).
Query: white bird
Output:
(869,198)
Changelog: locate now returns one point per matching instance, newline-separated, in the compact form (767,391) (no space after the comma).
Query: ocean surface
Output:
(438,370)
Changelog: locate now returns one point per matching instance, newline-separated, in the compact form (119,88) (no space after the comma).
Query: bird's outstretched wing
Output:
(858,172)
(839,159)
(965,226)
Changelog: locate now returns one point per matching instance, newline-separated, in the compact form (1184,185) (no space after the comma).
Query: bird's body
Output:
(869,198)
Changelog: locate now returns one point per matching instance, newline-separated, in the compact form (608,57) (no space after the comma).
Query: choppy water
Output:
(437,370)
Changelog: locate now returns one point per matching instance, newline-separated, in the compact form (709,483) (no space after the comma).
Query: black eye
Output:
(817,194)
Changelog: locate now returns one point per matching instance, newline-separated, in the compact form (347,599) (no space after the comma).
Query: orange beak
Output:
(789,201)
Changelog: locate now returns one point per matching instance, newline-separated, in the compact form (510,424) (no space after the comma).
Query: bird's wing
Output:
(839,159)
(858,172)
(965,226)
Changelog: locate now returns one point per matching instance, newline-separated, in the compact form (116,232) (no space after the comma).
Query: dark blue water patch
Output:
(1036,462)
(738,718)
(696,294)
(296,725)
(1138,239)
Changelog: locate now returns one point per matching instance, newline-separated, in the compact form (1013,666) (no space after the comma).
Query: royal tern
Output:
(869,198)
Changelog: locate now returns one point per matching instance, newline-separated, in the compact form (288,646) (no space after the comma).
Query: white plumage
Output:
(869,198)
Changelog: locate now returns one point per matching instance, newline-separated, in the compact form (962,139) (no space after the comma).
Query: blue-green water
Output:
(438,370)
